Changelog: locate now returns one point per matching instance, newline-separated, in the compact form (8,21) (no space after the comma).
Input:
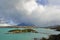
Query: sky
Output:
(38,12)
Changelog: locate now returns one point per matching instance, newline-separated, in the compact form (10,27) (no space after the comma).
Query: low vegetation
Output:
(22,31)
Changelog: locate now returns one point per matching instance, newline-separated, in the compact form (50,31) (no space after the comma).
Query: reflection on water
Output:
(26,36)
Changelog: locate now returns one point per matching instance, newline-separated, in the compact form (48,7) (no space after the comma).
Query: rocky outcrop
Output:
(52,37)
(15,31)
(29,30)
(22,31)
(57,27)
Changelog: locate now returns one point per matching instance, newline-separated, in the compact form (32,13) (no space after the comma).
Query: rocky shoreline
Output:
(51,37)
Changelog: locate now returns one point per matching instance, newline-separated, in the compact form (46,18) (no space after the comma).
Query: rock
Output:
(35,38)
(52,37)
(22,31)
(15,31)
(57,29)
(43,39)
(29,30)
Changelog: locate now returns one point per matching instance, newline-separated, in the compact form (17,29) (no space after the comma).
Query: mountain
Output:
(25,24)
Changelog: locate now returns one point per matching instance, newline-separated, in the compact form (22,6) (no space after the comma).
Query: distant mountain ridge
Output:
(25,24)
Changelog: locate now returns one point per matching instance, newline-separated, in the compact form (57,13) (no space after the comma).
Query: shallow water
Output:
(26,36)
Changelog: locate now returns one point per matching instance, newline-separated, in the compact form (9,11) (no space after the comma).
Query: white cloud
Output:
(29,11)
(54,2)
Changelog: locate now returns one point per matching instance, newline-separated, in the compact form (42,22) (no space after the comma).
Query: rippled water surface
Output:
(26,36)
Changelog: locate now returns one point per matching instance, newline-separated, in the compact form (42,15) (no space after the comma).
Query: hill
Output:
(25,24)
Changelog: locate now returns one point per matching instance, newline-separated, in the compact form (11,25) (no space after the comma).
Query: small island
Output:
(22,31)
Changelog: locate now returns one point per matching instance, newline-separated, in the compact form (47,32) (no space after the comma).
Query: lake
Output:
(26,36)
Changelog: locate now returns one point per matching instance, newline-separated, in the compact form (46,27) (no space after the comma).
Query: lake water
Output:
(26,36)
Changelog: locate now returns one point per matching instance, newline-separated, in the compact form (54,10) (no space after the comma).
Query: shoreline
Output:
(19,27)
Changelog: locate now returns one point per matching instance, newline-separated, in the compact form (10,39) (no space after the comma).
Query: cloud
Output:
(29,11)
(54,2)
(48,17)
